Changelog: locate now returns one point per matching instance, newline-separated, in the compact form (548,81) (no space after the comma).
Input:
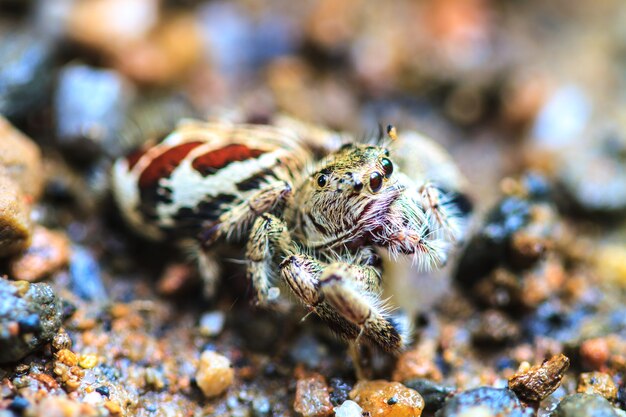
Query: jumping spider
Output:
(315,212)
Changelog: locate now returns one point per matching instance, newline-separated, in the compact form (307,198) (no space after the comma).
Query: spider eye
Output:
(376,182)
(387,167)
(322,180)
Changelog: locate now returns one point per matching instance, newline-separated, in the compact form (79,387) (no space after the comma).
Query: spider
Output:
(314,211)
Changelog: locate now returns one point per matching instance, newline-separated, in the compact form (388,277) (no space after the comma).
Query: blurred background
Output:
(501,84)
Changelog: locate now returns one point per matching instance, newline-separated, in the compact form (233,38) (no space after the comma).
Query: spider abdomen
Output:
(198,173)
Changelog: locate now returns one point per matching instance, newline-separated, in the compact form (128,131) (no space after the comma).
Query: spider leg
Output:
(234,222)
(347,289)
(268,237)
(444,217)
(209,270)
(346,297)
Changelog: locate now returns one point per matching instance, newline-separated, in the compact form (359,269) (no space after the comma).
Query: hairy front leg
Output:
(346,297)
(269,236)
(348,289)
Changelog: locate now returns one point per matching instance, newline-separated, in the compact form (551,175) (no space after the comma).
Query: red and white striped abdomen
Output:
(200,171)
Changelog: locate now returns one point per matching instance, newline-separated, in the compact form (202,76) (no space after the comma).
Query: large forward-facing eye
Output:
(376,182)
(387,167)
(322,180)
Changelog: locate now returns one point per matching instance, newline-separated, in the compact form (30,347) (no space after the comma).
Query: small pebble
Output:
(97,23)
(497,401)
(374,397)
(113,407)
(165,55)
(103,390)
(417,363)
(308,349)
(48,252)
(348,409)
(85,274)
(175,279)
(30,315)
(15,222)
(538,382)
(19,405)
(478,411)
(20,160)
(495,328)
(61,340)
(584,405)
(27,70)
(88,361)
(339,391)
(261,407)
(90,105)
(595,353)
(67,357)
(211,324)
(434,393)
(597,383)
(215,373)
(312,397)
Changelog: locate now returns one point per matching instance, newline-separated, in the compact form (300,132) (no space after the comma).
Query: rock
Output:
(48,252)
(165,55)
(339,391)
(261,407)
(214,374)
(106,25)
(536,383)
(85,276)
(348,409)
(30,315)
(494,400)
(312,397)
(90,106)
(211,324)
(387,399)
(20,160)
(610,262)
(597,383)
(15,223)
(593,173)
(175,279)
(417,363)
(308,349)
(478,411)
(61,341)
(26,71)
(556,320)
(434,394)
(495,329)
(584,405)
(522,210)
(595,353)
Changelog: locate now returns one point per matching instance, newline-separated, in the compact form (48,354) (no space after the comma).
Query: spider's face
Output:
(348,190)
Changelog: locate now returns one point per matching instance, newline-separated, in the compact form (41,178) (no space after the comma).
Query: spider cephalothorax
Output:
(312,223)
(341,200)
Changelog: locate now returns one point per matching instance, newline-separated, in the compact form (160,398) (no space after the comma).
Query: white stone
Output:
(348,409)
(211,324)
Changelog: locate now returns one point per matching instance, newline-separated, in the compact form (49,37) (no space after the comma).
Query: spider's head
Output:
(356,197)
(346,193)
